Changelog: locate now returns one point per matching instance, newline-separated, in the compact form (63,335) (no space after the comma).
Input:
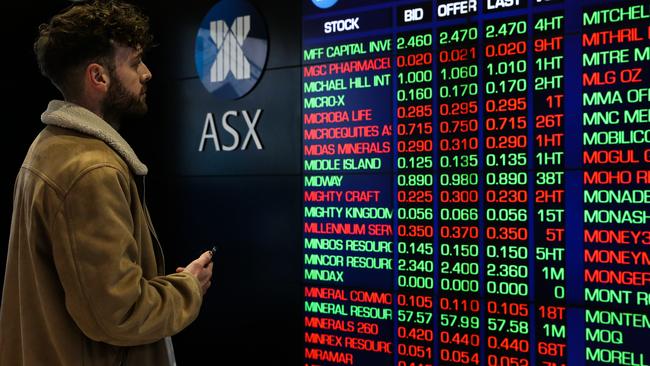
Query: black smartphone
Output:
(213,251)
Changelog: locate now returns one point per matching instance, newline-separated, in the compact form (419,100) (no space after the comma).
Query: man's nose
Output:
(146,75)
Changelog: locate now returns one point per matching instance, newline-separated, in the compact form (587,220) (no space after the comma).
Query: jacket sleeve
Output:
(96,258)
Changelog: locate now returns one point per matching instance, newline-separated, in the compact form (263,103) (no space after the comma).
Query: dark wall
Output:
(26,94)
(246,201)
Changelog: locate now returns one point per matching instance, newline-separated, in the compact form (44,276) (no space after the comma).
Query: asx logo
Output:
(231,49)
(230,56)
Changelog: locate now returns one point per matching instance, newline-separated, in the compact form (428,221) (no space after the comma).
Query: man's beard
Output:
(120,103)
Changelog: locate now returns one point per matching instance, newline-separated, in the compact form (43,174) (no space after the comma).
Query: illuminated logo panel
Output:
(231,49)
(324,4)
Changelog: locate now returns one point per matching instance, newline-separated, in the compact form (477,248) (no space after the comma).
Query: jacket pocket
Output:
(104,354)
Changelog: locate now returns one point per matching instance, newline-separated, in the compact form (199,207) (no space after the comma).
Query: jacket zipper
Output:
(157,245)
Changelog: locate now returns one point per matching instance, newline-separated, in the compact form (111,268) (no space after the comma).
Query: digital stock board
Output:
(476,182)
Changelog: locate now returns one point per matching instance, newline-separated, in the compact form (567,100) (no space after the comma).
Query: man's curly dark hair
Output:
(85,33)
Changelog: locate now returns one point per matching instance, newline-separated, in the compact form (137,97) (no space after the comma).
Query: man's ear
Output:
(96,77)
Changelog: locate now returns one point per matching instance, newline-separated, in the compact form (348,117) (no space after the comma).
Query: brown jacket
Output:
(84,282)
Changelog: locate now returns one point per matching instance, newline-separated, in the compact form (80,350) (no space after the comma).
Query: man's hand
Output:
(202,269)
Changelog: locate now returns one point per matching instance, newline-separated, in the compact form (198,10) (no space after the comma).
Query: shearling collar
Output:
(72,116)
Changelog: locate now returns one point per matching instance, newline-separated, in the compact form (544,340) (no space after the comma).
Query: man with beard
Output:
(84,282)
